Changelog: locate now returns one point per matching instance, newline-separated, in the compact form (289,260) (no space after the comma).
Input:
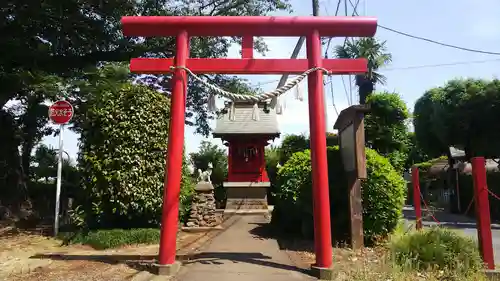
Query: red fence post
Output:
(317,124)
(175,150)
(415,180)
(483,220)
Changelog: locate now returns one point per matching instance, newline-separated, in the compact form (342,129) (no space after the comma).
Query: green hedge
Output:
(383,196)
(122,159)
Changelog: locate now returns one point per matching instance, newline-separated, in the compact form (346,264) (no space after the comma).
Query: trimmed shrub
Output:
(436,248)
(122,159)
(383,196)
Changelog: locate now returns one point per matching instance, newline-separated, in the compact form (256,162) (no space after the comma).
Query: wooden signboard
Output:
(351,130)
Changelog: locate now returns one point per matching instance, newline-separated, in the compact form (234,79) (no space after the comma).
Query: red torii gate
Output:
(249,26)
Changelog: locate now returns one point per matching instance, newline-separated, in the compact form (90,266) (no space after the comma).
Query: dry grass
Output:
(371,264)
(25,256)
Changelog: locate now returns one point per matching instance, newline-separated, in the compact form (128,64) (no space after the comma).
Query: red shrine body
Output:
(248,27)
(246,128)
(246,161)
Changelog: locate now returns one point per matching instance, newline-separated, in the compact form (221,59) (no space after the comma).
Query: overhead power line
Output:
(440,65)
(411,67)
(439,43)
(429,40)
(437,65)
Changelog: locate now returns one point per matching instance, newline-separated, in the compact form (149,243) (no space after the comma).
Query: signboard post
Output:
(351,128)
(60,113)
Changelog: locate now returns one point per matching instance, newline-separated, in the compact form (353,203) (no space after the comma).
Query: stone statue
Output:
(204,176)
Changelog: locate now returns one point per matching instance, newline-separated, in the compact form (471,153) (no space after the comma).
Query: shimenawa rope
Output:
(273,95)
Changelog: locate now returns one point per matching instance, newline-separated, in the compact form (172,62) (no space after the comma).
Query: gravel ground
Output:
(34,257)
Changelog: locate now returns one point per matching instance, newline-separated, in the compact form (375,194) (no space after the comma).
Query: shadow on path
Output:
(258,231)
(138,262)
(286,242)
(218,258)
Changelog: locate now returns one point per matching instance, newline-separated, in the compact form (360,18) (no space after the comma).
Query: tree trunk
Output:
(13,191)
(365,88)
(27,147)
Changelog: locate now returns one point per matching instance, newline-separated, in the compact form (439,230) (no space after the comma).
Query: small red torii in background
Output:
(184,27)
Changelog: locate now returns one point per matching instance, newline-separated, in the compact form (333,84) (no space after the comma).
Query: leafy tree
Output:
(272,157)
(459,114)
(122,157)
(48,44)
(377,55)
(386,129)
(292,144)
(423,123)
(212,153)
(61,38)
(42,186)
(13,188)
(415,153)
(44,166)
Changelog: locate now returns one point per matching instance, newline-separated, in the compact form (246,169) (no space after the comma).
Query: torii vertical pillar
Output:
(319,164)
(311,27)
(173,178)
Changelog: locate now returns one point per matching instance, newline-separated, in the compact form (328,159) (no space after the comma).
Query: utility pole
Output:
(300,42)
(315,7)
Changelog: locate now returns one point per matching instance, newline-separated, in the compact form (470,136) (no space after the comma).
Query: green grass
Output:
(436,248)
(113,238)
(431,254)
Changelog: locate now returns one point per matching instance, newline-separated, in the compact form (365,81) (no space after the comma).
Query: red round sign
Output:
(61,112)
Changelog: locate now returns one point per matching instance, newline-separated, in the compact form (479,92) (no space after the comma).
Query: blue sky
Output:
(466,23)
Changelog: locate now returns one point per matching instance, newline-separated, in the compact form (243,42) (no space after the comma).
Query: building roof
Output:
(244,124)
(463,167)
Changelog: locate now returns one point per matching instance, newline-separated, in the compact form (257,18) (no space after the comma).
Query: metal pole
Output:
(482,211)
(59,179)
(457,186)
(315,8)
(299,44)
(415,180)
(317,125)
(172,185)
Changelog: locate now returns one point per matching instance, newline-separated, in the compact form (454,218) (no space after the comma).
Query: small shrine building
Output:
(246,129)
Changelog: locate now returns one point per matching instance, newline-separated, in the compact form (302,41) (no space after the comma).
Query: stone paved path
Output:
(240,254)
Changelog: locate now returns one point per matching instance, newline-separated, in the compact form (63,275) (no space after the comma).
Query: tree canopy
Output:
(462,114)
(375,52)
(386,129)
(51,50)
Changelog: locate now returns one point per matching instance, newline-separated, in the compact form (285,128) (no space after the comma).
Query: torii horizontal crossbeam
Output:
(247,66)
(149,26)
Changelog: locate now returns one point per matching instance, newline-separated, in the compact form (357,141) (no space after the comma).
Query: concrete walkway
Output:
(239,253)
